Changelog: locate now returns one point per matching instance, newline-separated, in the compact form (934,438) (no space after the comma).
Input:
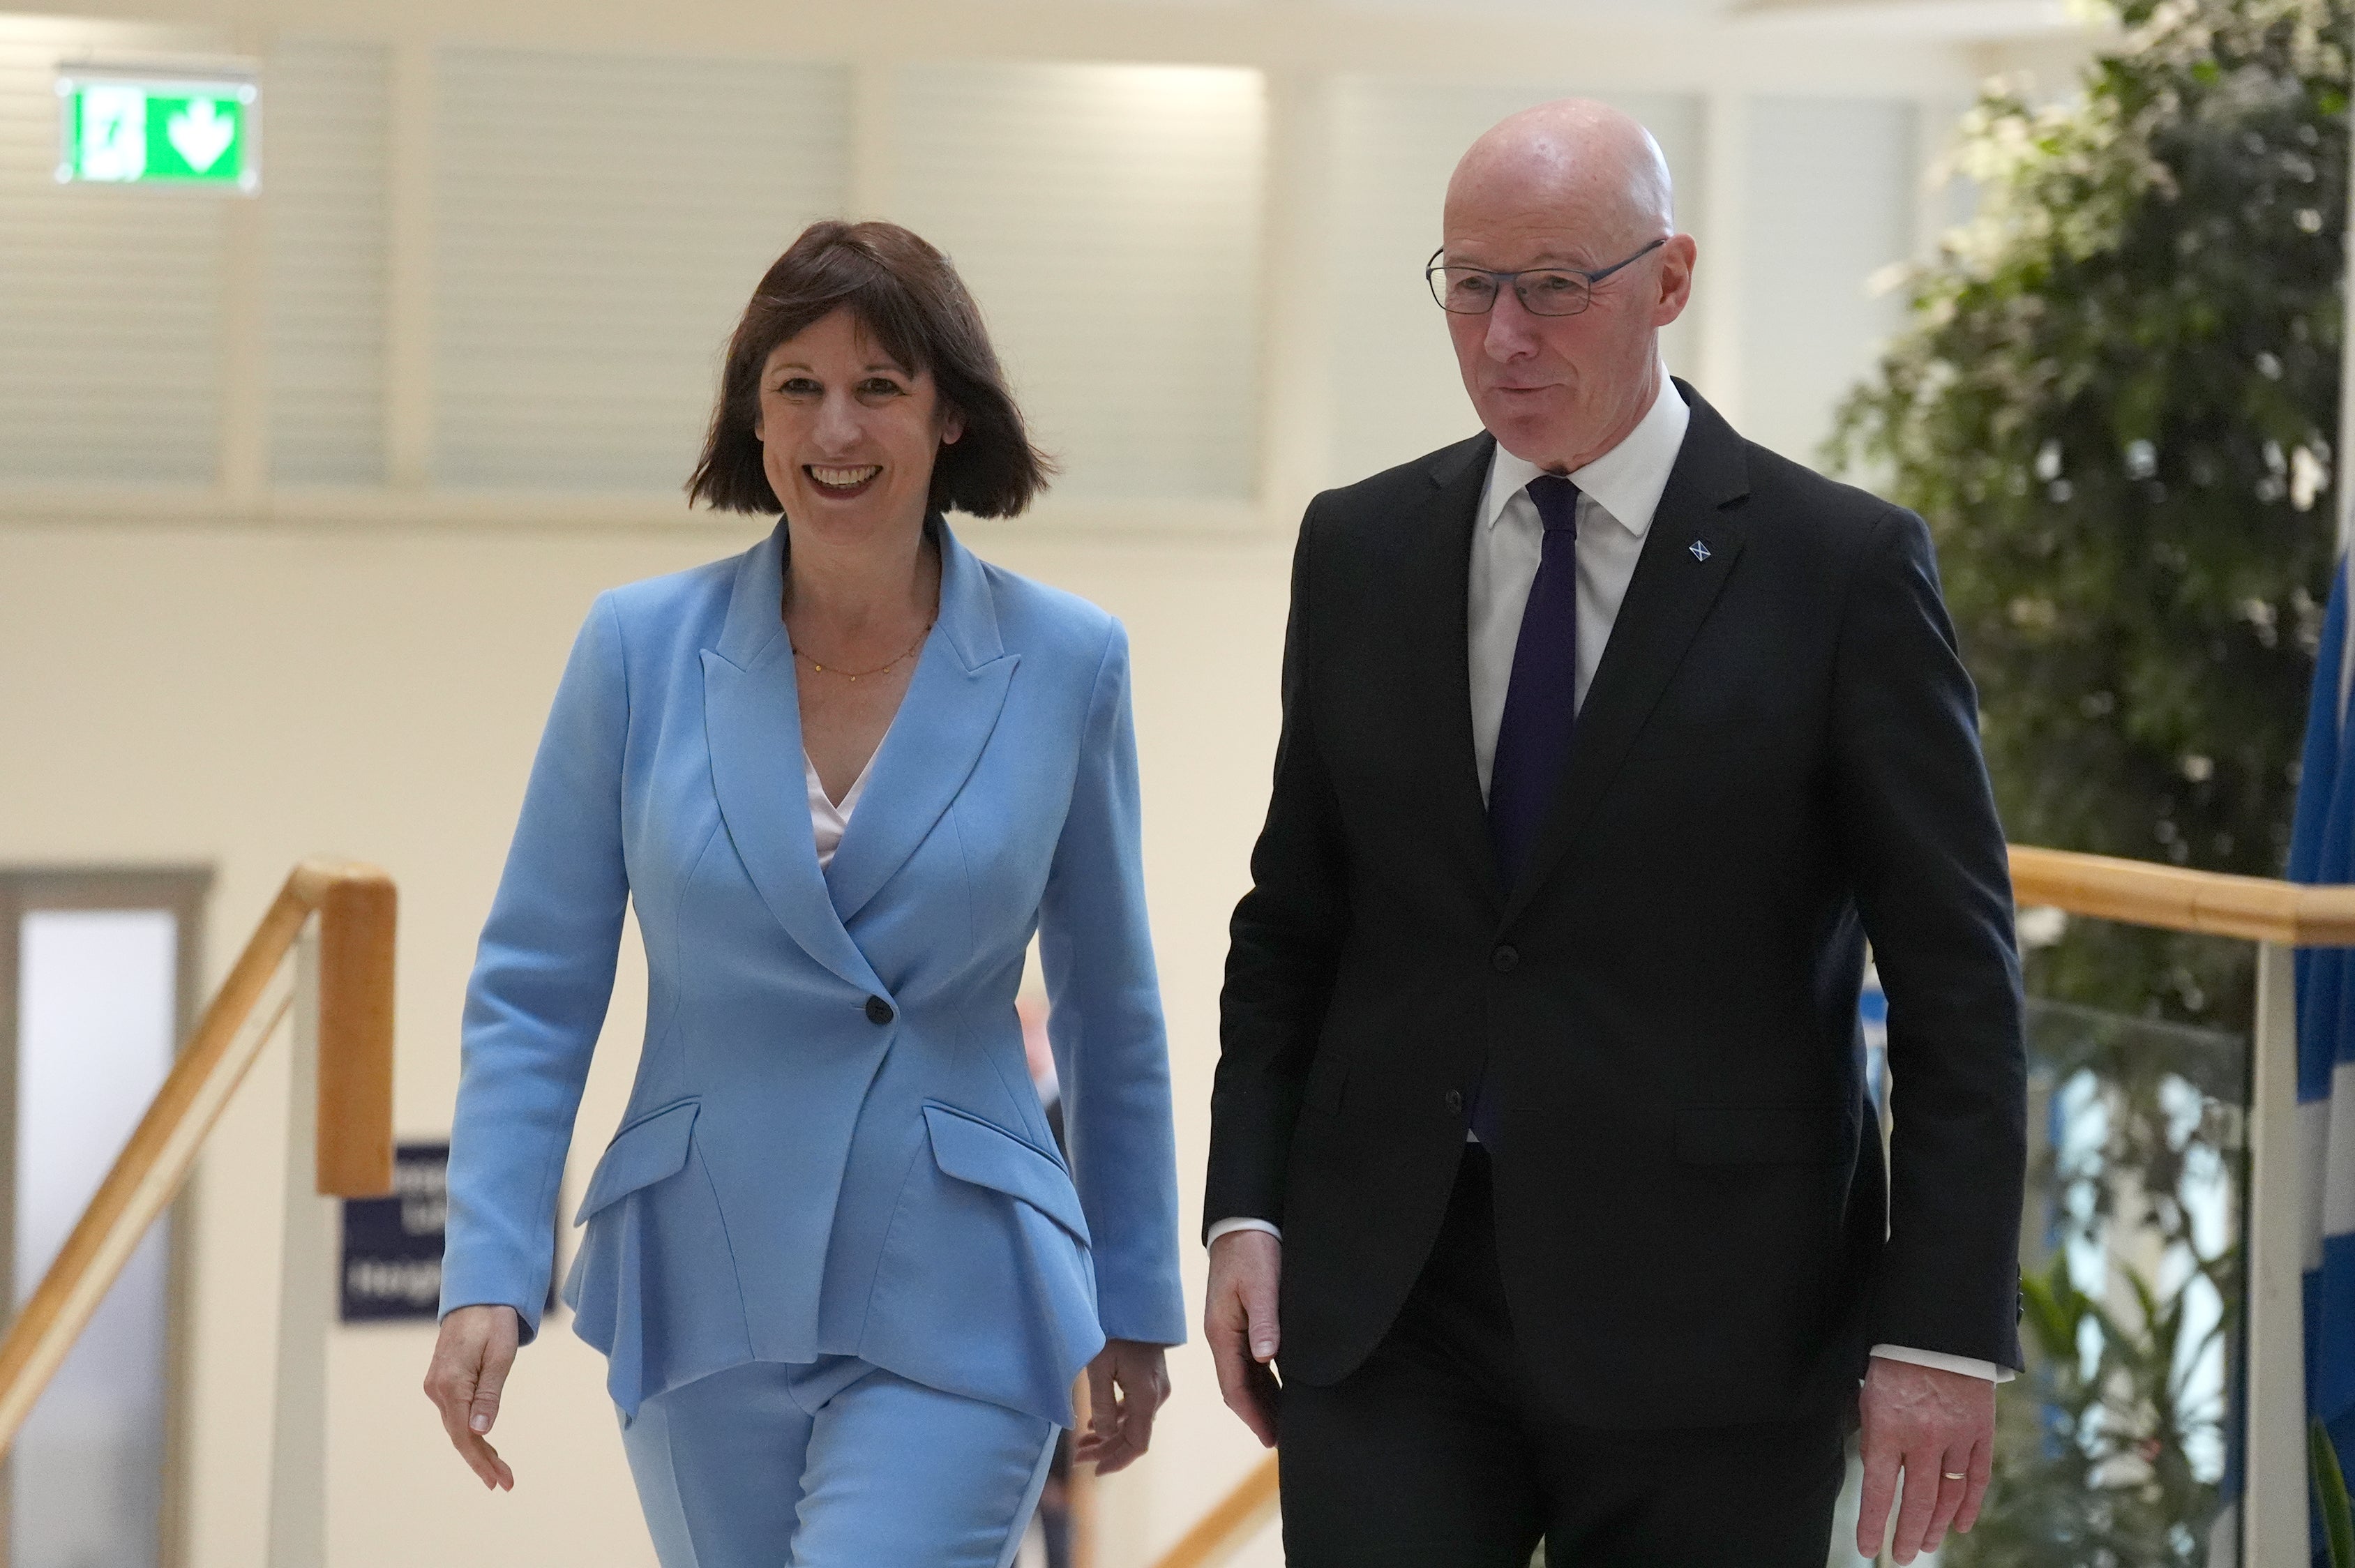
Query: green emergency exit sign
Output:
(127,130)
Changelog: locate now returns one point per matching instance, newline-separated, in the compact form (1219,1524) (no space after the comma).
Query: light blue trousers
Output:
(832,1464)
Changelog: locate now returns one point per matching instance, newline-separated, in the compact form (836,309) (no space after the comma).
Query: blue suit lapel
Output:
(753,726)
(945,721)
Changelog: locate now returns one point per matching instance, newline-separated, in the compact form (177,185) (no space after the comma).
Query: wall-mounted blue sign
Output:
(392,1246)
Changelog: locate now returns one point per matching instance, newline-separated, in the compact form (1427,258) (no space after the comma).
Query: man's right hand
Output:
(1239,1321)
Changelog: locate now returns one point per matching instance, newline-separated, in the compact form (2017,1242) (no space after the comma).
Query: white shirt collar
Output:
(1625,482)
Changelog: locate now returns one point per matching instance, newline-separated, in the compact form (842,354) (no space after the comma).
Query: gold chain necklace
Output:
(864,674)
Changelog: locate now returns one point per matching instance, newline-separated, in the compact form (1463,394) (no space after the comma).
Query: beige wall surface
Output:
(352,653)
(243,699)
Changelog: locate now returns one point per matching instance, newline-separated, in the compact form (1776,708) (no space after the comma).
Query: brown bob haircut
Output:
(910,300)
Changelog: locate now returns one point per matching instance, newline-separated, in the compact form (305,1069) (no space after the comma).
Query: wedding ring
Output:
(1955,1475)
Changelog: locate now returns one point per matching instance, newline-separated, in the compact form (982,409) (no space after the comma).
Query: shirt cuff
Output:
(1942,1362)
(1229,1227)
(1937,1359)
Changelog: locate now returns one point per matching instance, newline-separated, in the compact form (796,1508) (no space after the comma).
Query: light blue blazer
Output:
(833,1146)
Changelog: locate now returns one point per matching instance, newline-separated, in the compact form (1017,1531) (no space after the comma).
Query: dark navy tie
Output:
(1541,705)
(1542,700)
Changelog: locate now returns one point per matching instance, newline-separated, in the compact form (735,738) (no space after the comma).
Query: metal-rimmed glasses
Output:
(1542,291)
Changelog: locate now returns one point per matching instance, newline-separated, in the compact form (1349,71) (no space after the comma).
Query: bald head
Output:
(1584,164)
(1578,186)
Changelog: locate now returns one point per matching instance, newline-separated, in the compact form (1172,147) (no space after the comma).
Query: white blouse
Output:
(827,818)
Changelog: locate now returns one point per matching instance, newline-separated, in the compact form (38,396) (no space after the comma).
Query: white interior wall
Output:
(329,121)
(231,669)
(601,220)
(1107,219)
(110,332)
(243,698)
(1830,202)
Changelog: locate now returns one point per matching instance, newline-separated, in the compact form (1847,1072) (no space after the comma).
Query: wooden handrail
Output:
(2101,887)
(358,908)
(356,905)
(2139,892)
(1232,1519)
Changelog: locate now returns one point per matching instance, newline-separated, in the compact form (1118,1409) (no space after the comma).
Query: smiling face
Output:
(849,434)
(1565,185)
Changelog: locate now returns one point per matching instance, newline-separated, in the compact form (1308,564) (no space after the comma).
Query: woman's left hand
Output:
(1120,1429)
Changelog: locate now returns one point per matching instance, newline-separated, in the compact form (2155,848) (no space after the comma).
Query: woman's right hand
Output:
(470,1367)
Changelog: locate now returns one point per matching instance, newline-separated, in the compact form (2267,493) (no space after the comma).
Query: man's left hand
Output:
(1930,1425)
(1119,1429)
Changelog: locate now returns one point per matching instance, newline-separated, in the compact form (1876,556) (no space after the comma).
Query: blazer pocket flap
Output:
(986,1155)
(1764,1134)
(643,1153)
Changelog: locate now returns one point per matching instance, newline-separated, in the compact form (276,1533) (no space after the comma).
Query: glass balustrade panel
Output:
(2112,1447)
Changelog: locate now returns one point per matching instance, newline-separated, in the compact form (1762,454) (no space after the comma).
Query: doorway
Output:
(99,975)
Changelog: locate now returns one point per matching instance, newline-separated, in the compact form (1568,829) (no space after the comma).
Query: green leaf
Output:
(2052,1310)
(2330,1494)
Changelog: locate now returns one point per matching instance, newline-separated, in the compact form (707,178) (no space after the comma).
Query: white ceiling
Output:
(1952,20)
(1917,18)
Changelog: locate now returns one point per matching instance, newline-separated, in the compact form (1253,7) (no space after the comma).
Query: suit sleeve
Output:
(1284,948)
(1104,1019)
(543,977)
(1933,887)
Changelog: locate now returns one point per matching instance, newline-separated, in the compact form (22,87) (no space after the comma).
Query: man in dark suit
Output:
(1541,1163)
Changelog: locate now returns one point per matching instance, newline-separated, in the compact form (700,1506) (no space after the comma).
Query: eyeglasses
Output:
(1542,291)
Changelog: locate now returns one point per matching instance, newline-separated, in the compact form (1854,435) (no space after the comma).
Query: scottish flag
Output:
(2322,849)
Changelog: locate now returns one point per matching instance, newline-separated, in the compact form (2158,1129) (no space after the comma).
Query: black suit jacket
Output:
(1778,757)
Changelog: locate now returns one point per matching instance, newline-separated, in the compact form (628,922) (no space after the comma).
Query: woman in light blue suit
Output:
(843,1279)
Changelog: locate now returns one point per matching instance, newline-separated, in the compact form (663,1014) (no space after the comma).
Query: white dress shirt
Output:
(1617,495)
